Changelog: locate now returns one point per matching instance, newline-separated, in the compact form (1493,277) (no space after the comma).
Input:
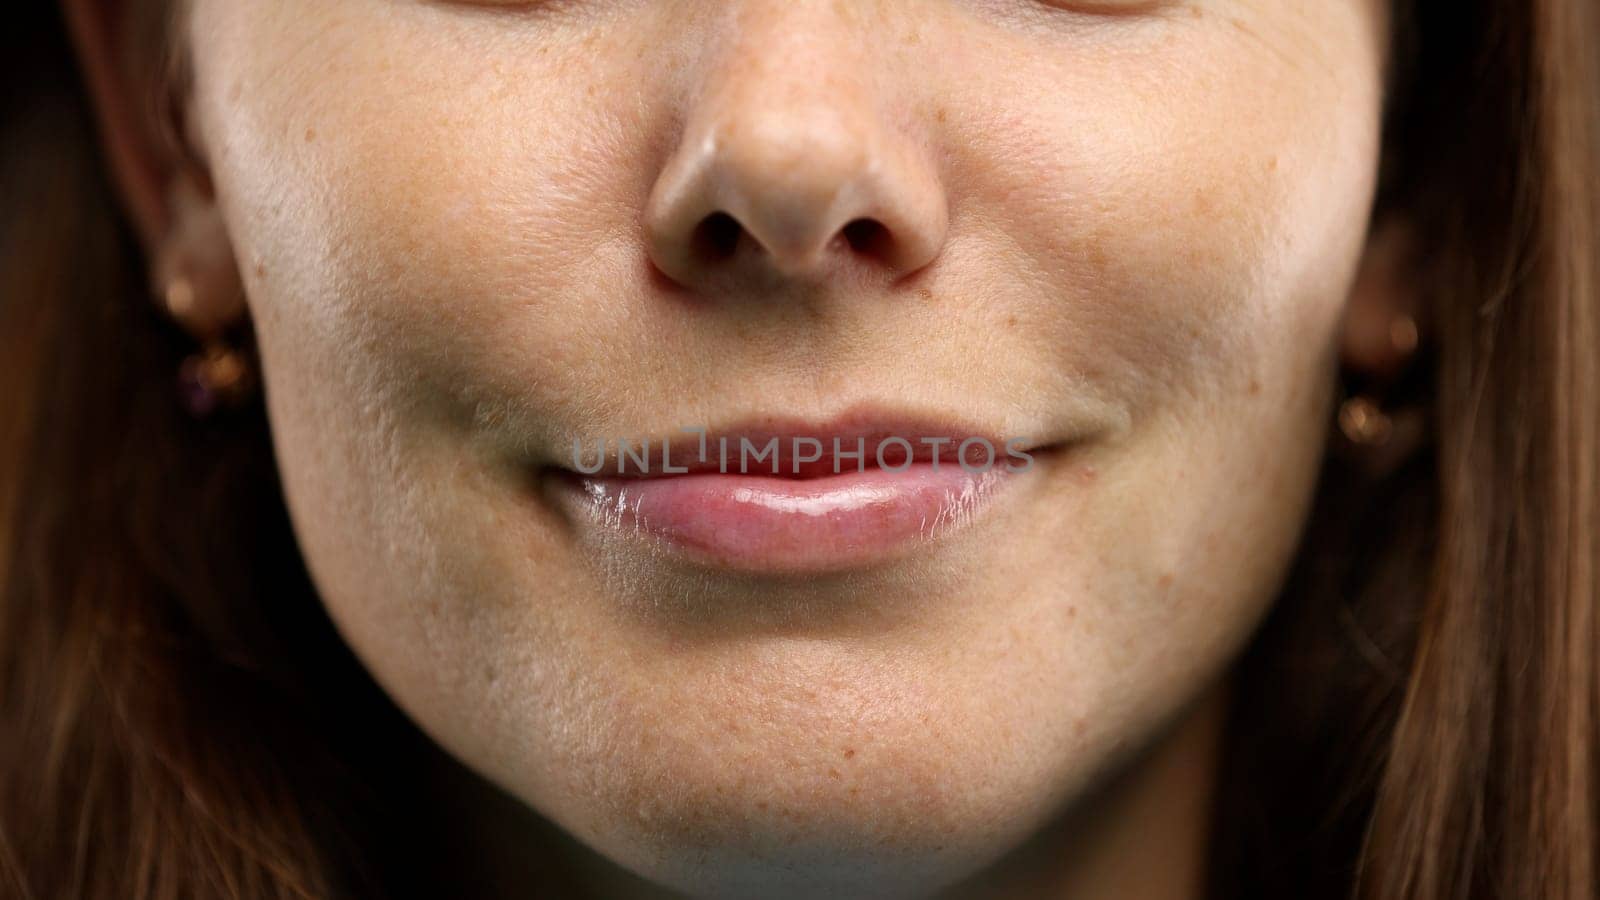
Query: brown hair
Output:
(1417,719)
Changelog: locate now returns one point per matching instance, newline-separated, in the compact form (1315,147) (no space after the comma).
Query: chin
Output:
(881,834)
(791,770)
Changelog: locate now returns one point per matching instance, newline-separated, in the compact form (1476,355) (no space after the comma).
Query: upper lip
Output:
(862,428)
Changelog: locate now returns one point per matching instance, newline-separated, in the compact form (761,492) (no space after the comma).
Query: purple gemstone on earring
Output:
(197,396)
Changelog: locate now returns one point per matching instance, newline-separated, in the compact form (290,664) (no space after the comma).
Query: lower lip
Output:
(793,526)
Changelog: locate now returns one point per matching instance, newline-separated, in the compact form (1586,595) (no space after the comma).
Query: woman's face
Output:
(1122,233)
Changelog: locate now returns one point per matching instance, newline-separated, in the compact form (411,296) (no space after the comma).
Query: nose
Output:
(789,164)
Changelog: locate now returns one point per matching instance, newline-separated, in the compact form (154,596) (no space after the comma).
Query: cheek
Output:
(1180,219)
(1183,211)
(434,211)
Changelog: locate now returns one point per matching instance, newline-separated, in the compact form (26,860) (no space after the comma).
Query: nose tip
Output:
(795,194)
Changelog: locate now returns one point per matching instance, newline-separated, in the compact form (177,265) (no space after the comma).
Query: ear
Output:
(155,163)
(1381,331)
(1383,313)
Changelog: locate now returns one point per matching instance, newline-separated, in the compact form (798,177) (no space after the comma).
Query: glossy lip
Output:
(807,522)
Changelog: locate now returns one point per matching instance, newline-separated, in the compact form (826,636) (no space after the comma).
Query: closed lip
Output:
(795,449)
(800,509)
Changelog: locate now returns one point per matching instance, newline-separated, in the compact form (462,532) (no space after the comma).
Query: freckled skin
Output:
(1138,226)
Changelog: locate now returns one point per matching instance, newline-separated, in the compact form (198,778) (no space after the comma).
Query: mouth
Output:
(795,499)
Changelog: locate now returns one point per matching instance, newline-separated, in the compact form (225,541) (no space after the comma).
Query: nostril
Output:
(717,237)
(719,234)
(866,236)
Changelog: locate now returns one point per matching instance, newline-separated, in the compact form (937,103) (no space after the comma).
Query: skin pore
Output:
(1131,231)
